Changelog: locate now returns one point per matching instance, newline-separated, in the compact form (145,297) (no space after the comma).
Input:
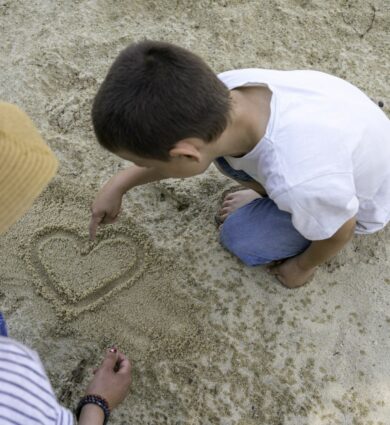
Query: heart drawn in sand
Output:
(75,274)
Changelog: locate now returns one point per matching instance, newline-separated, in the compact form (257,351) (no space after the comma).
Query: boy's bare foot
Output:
(236,200)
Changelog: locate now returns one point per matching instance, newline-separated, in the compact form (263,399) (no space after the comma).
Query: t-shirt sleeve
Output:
(26,395)
(320,206)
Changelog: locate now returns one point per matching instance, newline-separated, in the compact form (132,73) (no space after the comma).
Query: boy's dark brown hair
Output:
(156,94)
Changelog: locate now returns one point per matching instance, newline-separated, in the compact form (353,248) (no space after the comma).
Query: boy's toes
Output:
(226,200)
(218,220)
(223,212)
(221,216)
(226,203)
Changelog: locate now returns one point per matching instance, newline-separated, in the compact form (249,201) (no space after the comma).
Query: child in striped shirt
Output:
(26,396)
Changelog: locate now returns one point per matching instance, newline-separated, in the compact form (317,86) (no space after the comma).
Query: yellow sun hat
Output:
(26,164)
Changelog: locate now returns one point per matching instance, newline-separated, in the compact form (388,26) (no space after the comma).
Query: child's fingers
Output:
(93,225)
(92,228)
(121,356)
(124,366)
(110,359)
(123,363)
(109,220)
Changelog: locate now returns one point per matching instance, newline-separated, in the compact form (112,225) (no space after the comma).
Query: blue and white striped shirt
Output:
(26,396)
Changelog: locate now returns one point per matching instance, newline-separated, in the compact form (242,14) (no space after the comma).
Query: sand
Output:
(212,341)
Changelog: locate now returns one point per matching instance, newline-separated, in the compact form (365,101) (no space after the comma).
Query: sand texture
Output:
(212,342)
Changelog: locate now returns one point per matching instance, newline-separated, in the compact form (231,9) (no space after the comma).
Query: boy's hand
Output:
(112,379)
(290,274)
(105,208)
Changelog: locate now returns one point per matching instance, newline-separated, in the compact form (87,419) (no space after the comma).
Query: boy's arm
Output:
(107,204)
(296,271)
(134,176)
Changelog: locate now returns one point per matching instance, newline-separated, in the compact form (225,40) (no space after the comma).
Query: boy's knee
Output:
(234,240)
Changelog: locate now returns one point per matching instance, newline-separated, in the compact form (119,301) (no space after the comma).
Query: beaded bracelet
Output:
(94,399)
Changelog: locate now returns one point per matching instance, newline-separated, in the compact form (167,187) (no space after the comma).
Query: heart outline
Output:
(52,293)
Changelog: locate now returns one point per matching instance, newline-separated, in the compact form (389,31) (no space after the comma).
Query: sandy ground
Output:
(213,342)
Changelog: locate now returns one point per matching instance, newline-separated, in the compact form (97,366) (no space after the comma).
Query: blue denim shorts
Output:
(259,232)
(223,165)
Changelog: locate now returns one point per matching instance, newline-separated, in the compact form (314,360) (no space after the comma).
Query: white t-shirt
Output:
(325,156)
(26,396)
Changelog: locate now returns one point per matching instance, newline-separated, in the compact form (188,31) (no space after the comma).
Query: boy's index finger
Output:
(93,225)
(92,229)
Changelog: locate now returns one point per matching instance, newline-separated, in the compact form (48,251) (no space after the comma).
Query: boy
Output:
(313,151)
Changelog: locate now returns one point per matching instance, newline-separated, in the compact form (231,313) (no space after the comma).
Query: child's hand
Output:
(105,208)
(290,274)
(112,379)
